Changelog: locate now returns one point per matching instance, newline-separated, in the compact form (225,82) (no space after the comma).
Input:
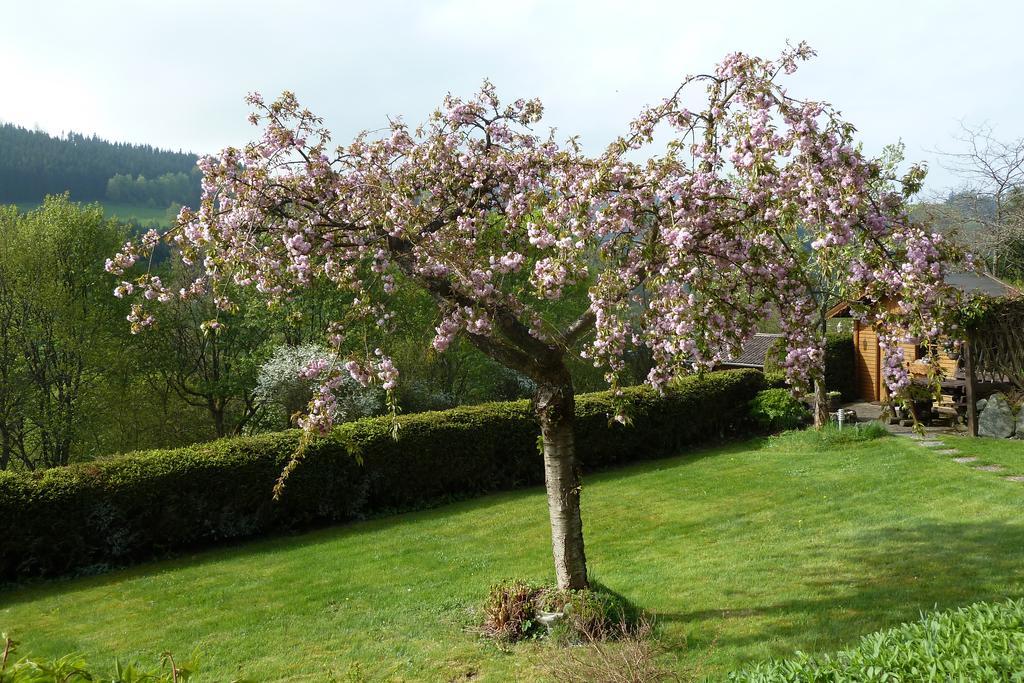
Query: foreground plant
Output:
(515,610)
(980,642)
(684,254)
(73,668)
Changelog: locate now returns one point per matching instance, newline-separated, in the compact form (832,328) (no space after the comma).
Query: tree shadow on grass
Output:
(894,573)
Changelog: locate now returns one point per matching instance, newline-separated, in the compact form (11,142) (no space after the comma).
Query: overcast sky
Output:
(175,73)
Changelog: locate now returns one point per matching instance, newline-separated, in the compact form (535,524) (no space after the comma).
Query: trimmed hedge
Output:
(111,512)
(982,642)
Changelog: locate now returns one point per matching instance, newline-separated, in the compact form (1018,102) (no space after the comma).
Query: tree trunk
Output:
(217,413)
(820,404)
(555,405)
(970,387)
(5,449)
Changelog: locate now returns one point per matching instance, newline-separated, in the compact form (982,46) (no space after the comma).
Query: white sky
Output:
(174,73)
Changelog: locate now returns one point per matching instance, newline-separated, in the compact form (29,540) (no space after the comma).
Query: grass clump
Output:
(638,657)
(516,610)
(830,436)
(982,642)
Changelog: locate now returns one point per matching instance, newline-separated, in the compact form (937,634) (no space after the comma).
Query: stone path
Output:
(939,448)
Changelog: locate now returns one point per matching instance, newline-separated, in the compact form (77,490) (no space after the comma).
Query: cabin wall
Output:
(868,363)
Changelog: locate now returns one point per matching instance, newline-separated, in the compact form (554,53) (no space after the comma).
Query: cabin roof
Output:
(753,352)
(968,283)
(980,283)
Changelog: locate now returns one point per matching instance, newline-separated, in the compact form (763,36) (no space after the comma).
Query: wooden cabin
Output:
(868,355)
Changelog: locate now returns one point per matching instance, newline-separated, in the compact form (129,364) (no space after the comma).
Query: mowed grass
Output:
(740,552)
(1007,453)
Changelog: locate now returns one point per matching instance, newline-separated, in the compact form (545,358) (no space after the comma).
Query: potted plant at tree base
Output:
(921,401)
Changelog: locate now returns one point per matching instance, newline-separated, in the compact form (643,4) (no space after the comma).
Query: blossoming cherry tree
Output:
(496,222)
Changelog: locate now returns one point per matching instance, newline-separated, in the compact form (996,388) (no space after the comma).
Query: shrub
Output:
(114,511)
(419,396)
(281,391)
(775,410)
(514,609)
(74,669)
(593,615)
(510,611)
(839,363)
(982,642)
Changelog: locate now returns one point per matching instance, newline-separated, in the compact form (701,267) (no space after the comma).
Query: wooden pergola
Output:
(993,351)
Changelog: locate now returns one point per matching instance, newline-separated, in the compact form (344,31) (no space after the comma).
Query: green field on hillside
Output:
(125,212)
(741,553)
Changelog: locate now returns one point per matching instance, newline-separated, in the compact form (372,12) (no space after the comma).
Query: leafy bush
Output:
(775,410)
(281,391)
(982,642)
(593,615)
(74,669)
(114,511)
(418,396)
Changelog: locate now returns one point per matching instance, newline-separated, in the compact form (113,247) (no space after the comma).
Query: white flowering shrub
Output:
(284,388)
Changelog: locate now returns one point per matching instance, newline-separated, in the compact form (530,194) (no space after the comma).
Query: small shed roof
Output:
(753,352)
(980,283)
(969,283)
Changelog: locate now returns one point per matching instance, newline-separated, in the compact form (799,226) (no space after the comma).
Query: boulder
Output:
(997,419)
(1020,422)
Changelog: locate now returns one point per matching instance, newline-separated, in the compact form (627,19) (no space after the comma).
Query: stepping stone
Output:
(948,451)
(965,460)
(931,444)
(1015,477)
(990,468)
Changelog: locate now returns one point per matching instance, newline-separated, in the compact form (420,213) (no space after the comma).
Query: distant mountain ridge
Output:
(34,164)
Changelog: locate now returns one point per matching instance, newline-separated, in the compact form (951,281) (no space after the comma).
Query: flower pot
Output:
(923,410)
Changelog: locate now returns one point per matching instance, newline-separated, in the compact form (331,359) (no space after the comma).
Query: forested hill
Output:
(34,164)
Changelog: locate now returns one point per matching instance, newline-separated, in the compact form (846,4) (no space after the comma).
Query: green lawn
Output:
(741,552)
(1009,453)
